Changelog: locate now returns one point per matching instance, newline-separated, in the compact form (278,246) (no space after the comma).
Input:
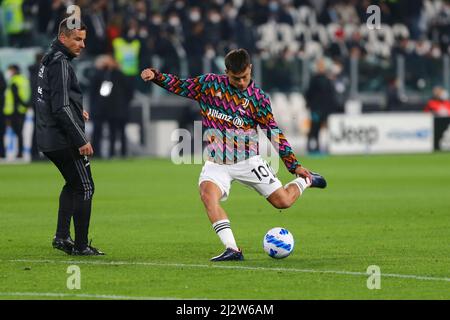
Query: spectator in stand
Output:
(114,30)
(439,104)
(412,13)
(95,20)
(394,98)
(213,28)
(195,48)
(57,14)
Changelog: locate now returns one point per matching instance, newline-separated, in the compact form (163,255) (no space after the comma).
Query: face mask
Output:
(215,18)
(273,6)
(157,20)
(232,13)
(143,33)
(131,34)
(210,53)
(444,95)
(174,21)
(336,69)
(195,16)
(435,53)
(8,75)
(179,5)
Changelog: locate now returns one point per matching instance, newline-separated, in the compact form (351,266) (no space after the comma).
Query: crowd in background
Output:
(198,28)
(280,31)
(124,36)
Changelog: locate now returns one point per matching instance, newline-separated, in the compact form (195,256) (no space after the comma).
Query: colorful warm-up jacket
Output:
(230,117)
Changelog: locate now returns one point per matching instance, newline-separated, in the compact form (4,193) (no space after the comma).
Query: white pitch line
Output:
(156,264)
(74,295)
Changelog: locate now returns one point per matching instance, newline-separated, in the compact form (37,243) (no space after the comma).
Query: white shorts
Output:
(254,173)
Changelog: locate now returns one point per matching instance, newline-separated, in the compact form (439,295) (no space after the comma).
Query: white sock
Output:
(223,230)
(301,183)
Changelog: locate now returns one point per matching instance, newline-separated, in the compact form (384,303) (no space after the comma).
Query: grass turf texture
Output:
(390,211)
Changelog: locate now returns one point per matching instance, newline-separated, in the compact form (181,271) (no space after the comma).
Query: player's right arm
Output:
(188,88)
(59,82)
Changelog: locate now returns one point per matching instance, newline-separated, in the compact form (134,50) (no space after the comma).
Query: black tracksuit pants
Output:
(17,121)
(76,195)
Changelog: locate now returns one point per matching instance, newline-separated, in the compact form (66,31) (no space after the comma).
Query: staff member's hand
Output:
(86,150)
(85,115)
(147,74)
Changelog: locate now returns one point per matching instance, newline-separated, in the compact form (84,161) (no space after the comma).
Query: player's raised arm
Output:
(188,88)
(147,74)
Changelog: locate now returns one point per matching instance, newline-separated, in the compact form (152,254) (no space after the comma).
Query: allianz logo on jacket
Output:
(237,121)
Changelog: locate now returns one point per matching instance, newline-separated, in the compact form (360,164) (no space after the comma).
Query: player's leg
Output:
(62,240)
(259,175)
(214,185)
(285,197)
(65,212)
(76,171)
(84,190)
(211,194)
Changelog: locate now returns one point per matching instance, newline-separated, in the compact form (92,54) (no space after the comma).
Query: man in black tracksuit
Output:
(60,136)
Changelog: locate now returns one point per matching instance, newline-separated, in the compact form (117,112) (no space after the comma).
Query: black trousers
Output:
(16,122)
(317,123)
(116,132)
(76,195)
(117,127)
(2,134)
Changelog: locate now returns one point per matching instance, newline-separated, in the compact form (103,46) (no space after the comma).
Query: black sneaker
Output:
(88,251)
(65,245)
(229,255)
(318,181)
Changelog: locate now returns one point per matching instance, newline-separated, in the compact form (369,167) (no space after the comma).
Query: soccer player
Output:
(232,105)
(61,136)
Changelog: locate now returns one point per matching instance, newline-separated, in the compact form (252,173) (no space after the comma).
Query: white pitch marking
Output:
(156,264)
(68,295)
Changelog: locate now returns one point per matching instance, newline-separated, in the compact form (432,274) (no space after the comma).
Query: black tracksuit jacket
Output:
(59,102)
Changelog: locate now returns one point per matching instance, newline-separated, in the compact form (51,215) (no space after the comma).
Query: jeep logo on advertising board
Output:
(380,133)
(365,135)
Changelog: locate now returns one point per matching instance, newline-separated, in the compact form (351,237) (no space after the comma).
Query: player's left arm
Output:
(188,88)
(270,127)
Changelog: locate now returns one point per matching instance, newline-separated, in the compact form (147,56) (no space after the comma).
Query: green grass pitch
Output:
(389,211)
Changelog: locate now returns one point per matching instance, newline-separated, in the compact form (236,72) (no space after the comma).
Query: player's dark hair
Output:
(237,60)
(66,29)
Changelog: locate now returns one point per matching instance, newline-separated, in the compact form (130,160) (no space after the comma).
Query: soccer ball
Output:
(278,243)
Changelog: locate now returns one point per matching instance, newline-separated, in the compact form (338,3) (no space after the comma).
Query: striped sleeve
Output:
(270,127)
(188,88)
